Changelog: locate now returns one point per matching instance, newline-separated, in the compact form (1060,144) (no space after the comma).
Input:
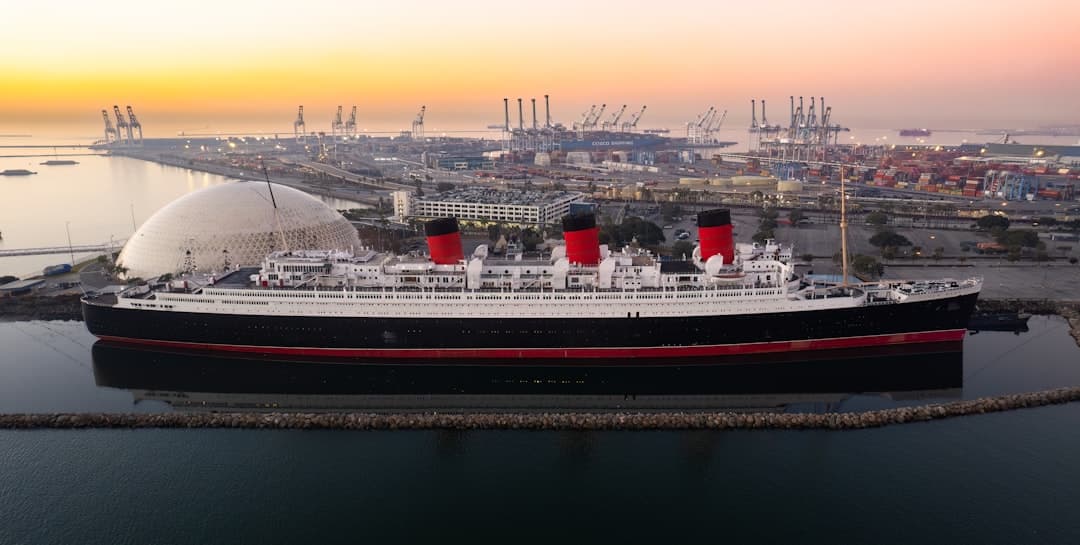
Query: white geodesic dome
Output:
(234,223)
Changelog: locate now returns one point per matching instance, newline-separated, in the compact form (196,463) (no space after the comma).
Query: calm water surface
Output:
(1001,478)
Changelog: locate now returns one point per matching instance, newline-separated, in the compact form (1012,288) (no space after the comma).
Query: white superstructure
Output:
(624,284)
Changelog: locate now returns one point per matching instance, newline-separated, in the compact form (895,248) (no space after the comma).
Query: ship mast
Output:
(277,221)
(843,230)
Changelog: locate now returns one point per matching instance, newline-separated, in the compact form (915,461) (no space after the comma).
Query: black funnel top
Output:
(714,218)
(440,226)
(578,222)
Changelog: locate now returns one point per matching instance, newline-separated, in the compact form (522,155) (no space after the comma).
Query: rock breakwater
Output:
(547,421)
(1070,310)
(40,307)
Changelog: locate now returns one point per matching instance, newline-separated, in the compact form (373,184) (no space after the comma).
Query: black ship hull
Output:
(617,340)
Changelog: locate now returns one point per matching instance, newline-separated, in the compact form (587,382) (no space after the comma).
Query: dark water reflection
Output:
(59,367)
(190,381)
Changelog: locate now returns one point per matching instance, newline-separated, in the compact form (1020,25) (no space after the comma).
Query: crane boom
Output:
(615,118)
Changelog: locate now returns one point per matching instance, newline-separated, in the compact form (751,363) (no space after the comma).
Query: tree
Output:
(987,223)
(768,213)
(796,215)
(682,248)
(419,188)
(877,218)
(885,238)
(668,210)
(444,186)
(1027,238)
(807,257)
(888,252)
(529,239)
(761,236)
(646,232)
(867,266)
(494,231)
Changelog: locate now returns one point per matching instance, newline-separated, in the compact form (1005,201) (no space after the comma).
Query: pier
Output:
(81,249)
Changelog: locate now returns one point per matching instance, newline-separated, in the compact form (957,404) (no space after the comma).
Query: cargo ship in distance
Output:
(915,132)
(580,304)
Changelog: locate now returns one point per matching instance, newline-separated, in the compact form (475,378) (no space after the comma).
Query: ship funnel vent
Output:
(582,239)
(444,241)
(714,231)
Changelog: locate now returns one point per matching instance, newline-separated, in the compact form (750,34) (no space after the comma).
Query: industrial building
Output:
(477,204)
(477,162)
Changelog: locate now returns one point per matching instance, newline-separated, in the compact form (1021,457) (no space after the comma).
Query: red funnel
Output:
(582,239)
(714,231)
(444,241)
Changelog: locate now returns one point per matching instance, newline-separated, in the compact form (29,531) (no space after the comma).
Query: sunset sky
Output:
(246,65)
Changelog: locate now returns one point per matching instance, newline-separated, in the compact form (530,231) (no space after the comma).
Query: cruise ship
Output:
(581,302)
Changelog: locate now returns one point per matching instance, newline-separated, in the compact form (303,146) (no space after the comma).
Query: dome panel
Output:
(234,224)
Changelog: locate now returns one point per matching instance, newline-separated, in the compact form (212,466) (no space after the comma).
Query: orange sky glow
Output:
(236,65)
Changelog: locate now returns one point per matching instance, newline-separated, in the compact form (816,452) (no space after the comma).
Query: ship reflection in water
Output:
(817,382)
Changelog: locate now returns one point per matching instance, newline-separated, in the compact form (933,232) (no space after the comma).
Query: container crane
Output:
(111,134)
(350,125)
(629,126)
(134,125)
(121,125)
(299,128)
(716,122)
(591,124)
(337,126)
(613,123)
(585,118)
(418,123)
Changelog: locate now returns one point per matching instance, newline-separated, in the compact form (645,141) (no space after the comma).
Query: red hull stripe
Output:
(570,353)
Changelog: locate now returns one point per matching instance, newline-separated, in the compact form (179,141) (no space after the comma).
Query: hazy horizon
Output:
(206,66)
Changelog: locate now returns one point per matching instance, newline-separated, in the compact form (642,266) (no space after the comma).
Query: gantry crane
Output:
(418,124)
(629,126)
(350,125)
(121,125)
(337,126)
(613,123)
(299,128)
(111,134)
(134,125)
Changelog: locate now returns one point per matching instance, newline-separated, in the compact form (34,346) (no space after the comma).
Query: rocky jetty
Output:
(547,421)
(1070,310)
(40,307)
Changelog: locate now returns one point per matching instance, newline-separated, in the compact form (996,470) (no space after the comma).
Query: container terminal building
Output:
(515,206)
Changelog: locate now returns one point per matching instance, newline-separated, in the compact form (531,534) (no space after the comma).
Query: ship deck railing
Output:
(489,290)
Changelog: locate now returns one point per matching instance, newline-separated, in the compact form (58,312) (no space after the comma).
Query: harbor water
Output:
(996,478)
(1000,478)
